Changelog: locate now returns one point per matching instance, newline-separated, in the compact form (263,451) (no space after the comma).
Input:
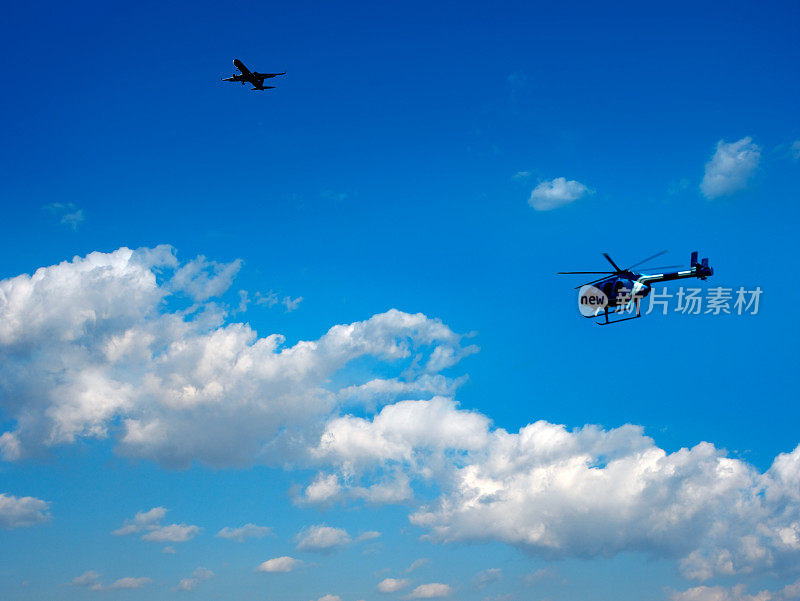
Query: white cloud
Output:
(323,490)
(486,577)
(149,522)
(179,386)
(22,512)
(291,304)
(198,576)
(88,349)
(392,585)
(202,279)
(551,194)
(721,593)
(381,391)
(330,598)
(594,492)
(86,579)
(408,436)
(142,521)
(731,166)
(434,590)
(417,564)
(172,533)
(280,564)
(368,535)
(68,214)
(322,539)
(583,493)
(402,432)
(73,219)
(243,532)
(270,299)
(91,580)
(128,582)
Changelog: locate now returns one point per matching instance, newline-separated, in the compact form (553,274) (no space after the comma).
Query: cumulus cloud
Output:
(721,593)
(149,522)
(392,585)
(142,521)
(381,391)
(551,194)
(405,432)
(180,385)
(731,166)
(88,578)
(587,492)
(434,590)
(202,279)
(594,492)
(22,512)
(280,564)
(172,533)
(91,580)
(128,582)
(405,437)
(198,576)
(89,349)
(243,532)
(368,535)
(322,539)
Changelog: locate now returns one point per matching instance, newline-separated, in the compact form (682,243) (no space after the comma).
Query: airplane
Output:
(616,290)
(254,78)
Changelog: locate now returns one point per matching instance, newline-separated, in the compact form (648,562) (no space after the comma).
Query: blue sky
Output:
(394,167)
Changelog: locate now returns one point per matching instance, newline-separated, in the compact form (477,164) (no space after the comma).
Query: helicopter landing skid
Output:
(609,322)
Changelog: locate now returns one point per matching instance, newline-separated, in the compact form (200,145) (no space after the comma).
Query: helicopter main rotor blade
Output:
(661,267)
(592,282)
(612,262)
(648,259)
(574,272)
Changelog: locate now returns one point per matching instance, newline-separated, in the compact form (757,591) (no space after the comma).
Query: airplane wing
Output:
(266,75)
(263,88)
(235,78)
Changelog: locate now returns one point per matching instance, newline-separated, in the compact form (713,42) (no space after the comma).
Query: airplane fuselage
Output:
(244,71)
(254,78)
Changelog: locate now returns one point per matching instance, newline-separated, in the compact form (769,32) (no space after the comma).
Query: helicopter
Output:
(616,290)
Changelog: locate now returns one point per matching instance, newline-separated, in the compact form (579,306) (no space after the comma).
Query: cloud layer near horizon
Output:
(115,358)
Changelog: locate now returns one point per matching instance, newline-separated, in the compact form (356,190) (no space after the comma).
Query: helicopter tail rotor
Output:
(702,269)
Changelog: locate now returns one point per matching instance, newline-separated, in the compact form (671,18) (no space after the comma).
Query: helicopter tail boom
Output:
(700,270)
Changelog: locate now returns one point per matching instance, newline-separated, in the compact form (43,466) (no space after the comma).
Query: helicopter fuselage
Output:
(620,289)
